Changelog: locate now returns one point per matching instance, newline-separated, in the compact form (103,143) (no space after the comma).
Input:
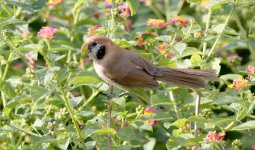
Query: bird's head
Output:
(98,47)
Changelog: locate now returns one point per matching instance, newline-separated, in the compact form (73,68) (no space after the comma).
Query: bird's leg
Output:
(109,116)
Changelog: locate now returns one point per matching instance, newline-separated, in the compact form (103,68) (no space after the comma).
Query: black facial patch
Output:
(101,52)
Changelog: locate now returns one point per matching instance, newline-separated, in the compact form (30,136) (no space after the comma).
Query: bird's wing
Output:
(137,78)
(143,63)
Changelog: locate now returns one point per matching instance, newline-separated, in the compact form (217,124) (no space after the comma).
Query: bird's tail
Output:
(186,77)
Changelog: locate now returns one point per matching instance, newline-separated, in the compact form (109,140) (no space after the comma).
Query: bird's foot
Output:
(110,96)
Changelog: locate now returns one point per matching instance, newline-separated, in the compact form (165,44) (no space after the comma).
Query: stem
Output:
(198,99)
(230,125)
(206,30)
(109,116)
(224,26)
(167,9)
(113,19)
(24,130)
(171,95)
(13,141)
(67,103)
(90,99)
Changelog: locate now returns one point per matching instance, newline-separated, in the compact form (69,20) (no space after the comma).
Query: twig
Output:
(198,99)
(109,116)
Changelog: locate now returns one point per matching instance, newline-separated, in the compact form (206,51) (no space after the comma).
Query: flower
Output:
(253,147)
(25,34)
(205,3)
(239,83)
(152,122)
(125,11)
(149,111)
(46,32)
(251,69)
(162,49)
(92,29)
(108,3)
(31,61)
(54,3)
(141,41)
(180,21)
(212,136)
(198,35)
(157,23)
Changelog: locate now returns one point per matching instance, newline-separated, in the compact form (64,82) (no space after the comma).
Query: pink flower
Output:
(125,11)
(157,23)
(251,69)
(239,83)
(47,32)
(170,54)
(54,3)
(108,3)
(31,61)
(253,147)
(180,21)
(212,137)
(149,111)
(142,1)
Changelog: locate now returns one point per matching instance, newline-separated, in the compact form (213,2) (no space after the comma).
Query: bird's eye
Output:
(94,43)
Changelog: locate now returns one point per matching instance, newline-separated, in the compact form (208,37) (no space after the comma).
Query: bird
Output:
(127,71)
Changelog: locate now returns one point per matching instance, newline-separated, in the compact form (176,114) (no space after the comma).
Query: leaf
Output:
(164,38)
(38,123)
(180,47)
(44,139)
(10,21)
(76,101)
(245,126)
(196,59)
(84,80)
(226,99)
(38,93)
(43,76)
(90,145)
(127,133)
(159,99)
(197,119)
(134,6)
(119,103)
(14,102)
(105,131)
(230,76)
(190,51)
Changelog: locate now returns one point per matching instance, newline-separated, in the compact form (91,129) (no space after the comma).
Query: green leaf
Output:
(134,6)
(190,51)
(230,77)
(84,80)
(196,59)
(159,99)
(14,102)
(10,21)
(119,103)
(218,28)
(245,126)
(76,101)
(164,38)
(127,133)
(180,47)
(44,139)
(197,119)
(43,76)
(105,131)
(38,93)
(226,99)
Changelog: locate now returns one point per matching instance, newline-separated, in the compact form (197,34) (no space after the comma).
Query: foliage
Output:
(51,97)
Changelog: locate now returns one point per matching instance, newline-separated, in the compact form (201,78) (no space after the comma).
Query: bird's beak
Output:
(84,48)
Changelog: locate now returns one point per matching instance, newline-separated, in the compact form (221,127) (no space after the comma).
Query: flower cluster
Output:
(92,29)
(162,49)
(180,21)
(125,11)
(239,83)
(26,34)
(212,137)
(108,3)
(47,33)
(157,23)
(141,41)
(54,3)
(251,69)
(150,111)
(31,61)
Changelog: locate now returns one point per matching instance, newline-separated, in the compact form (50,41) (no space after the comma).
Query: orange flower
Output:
(180,21)
(212,136)
(239,83)
(152,122)
(92,29)
(157,23)
(54,3)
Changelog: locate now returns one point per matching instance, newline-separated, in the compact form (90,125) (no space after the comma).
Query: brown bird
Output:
(126,70)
